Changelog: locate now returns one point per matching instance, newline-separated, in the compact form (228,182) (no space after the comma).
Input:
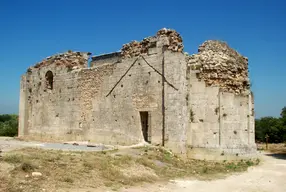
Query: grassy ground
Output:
(115,169)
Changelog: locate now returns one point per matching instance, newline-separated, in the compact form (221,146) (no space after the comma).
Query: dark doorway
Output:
(144,125)
(49,80)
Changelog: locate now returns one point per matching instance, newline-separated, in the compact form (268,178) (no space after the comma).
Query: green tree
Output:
(283,113)
(8,125)
(270,126)
(5,117)
(283,119)
(274,127)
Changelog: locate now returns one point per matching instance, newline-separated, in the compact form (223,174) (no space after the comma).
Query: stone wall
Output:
(222,66)
(23,108)
(197,105)
(100,104)
(135,48)
(110,58)
(221,123)
(133,87)
(50,110)
(69,59)
(176,110)
(204,114)
(220,104)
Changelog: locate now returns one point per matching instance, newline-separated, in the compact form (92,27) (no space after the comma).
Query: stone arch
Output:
(49,80)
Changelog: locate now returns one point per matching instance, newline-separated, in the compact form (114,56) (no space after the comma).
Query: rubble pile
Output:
(219,65)
(175,39)
(136,48)
(68,59)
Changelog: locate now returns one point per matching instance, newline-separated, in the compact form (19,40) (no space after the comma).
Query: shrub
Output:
(8,125)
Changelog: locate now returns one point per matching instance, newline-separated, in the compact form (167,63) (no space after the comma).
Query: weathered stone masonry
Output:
(197,105)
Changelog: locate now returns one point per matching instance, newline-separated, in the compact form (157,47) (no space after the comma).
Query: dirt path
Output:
(270,176)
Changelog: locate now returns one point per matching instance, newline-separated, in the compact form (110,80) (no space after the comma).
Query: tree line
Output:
(272,127)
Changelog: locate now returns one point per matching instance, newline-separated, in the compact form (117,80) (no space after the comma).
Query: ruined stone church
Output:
(199,105)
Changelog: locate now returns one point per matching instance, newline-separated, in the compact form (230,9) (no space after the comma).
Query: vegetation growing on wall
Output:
(8,125)
(273,127)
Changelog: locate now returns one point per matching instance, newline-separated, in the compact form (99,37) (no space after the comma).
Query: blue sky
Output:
(32,30)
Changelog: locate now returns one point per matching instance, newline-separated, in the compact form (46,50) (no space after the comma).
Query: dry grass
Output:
(273,147)
(66,170)
(176,167)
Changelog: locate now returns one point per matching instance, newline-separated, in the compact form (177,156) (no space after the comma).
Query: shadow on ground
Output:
(277,155)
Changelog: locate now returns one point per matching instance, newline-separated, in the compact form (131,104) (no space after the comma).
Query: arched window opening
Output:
(49,80)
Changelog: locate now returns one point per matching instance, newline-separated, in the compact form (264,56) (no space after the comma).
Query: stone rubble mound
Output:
(219,65)
(69,59)
(175,39)
(136,48)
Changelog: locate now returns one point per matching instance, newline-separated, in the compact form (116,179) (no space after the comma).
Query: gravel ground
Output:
(8,143)
(270,176)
